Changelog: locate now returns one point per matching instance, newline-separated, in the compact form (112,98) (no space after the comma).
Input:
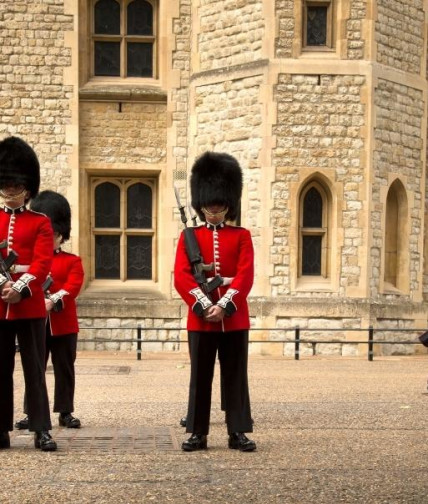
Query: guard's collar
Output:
(14,210)
(214,227)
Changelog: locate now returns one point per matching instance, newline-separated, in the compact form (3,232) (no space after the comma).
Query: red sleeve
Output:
(185,282)
(75,276)
(71,287)
(236,294)
(41,260)
(42,252)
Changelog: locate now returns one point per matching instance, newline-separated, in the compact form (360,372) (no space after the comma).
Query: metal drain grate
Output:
(104,440)
(98,370)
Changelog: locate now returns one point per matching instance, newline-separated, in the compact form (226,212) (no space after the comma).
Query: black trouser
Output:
(31,340)
(233,356)
(63,354)
(222,396)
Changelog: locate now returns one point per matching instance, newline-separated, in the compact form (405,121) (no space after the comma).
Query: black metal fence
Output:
(370,339)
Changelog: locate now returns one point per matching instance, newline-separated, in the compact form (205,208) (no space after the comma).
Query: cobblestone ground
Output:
(328,431)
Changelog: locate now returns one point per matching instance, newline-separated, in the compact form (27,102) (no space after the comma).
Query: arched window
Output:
(124,38)
(124,229)
(313,230)
(396,238)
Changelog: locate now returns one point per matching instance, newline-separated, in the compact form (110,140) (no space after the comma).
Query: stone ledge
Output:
(112,93)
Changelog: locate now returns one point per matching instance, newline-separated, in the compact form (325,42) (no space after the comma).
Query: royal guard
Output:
(215,288)
(26,239)
(62,325)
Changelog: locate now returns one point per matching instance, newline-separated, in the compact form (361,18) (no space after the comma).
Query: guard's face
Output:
(215,214)
(14,195)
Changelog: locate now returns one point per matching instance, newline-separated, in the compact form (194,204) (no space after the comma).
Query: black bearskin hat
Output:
(19,165)
(57,208)
(216,179)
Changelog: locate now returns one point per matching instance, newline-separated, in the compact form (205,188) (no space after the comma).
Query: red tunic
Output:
(231,250)
(67,274)
(30,235)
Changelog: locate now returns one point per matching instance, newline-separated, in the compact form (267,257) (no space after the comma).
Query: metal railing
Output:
(370,341)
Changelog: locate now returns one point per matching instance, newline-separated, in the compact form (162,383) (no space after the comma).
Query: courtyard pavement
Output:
(328,430)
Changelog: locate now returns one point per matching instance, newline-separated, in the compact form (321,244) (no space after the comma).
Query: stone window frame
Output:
(86,49)
(124,182)
(396,240)
(324,231)
(331,25)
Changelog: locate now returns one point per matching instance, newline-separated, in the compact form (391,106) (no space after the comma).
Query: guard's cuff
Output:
(3,279)
(22,285)
(57,299)
(226,302)
(202,301)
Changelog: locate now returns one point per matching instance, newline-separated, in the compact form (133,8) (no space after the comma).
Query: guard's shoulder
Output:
(69,255)
(35,214)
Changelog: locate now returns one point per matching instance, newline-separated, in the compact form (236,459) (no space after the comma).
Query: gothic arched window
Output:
(313,231)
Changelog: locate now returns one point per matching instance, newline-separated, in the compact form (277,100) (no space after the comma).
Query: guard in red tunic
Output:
(218,319)
(62,324)
(28,236)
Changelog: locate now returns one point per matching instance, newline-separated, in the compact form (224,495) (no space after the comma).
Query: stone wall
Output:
(228,119)
(400,34)
(129,133)
(398,145)
(356,42)
(35,103)
(286,28)
(180,91)
(320,127)
(231,32)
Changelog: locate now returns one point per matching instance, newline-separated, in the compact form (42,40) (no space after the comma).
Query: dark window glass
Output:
(316,34)
(140,18)
(107,17)
(107,206)
(139,207)
(312,209)
(107,58)
(139,257)
(140,59)
(107,257)
(311,255)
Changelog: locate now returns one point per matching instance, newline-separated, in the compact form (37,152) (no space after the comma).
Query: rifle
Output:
(194,254)
(6,264)
(47,283)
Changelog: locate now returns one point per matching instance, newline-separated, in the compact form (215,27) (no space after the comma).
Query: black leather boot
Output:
(44,441)
(4,440)
(239,441)
(22,424)
(69,421)
(195,442)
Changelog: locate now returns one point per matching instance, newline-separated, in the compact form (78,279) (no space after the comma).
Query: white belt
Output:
(19,268)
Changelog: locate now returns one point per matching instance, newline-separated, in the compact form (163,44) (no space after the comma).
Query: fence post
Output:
(370,344)
(297,343)
(139,342)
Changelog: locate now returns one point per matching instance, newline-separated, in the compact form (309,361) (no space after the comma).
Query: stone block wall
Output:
(228,119)
(180,91)
(319,126)
(231,32)
(286,28)
(131,133)
(400,34)
(35,101)
(398,149)
(356,42)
